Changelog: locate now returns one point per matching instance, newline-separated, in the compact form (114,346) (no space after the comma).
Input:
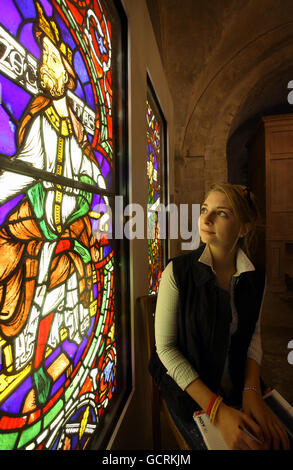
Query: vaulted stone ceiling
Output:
(227,62)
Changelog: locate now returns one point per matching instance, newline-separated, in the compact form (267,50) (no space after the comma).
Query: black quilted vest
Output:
(204,318)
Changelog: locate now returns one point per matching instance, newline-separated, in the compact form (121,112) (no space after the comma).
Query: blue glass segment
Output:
(81,68)
(89,96)
(26,7)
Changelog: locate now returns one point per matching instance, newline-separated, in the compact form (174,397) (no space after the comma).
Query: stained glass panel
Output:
(156,190)
(59,367)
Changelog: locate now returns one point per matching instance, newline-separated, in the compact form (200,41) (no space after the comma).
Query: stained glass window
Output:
(156,173)
(61,333)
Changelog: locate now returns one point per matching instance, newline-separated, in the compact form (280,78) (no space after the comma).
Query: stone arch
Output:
(225,100)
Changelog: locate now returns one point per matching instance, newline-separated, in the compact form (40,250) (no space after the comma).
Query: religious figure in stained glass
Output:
(155,246)
(56,279)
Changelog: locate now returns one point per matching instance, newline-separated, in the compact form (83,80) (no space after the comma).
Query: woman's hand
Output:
(230,421)
(274,433)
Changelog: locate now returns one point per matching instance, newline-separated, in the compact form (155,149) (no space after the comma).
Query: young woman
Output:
(207,328)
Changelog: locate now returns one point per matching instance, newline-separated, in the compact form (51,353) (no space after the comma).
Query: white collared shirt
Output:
(176,364)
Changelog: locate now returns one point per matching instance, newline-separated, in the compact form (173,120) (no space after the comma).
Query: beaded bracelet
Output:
(214,409)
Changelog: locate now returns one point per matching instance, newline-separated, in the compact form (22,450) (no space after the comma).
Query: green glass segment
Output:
(8,440)
(29,434)
(53,413)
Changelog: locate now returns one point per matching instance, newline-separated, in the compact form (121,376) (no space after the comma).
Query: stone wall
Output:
(226,61)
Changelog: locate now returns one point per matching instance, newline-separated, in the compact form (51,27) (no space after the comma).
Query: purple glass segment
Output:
(79,91)
(88,333)
(105,168)
(14,403)
(47,7)
(95,291)
(150,149)
(8,206)
(80,68)
(7,129)
(109,181)
(27,40)
(90,96)
(57,385)
(65,33)
(94,419)
(75,416)
(12,18)
(15,98)
(96,200)
(69,348)
(99,157)
(107,250)
(102,206)
(80,351)
(74,441)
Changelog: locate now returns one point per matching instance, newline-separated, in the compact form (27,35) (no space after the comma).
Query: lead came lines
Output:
(16,63)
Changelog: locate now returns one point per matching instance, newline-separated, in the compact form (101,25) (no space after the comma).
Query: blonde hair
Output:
(245,209)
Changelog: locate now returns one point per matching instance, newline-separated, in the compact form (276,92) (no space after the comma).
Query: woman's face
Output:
(218,224)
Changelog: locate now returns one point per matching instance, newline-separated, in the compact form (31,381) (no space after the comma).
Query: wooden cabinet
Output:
(271,179)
